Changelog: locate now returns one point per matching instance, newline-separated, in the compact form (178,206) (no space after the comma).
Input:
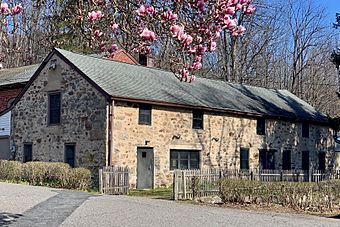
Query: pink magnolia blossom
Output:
(230,23)
(230,11)
(238,7)
(212,46)
(250,9)
(148,35)
(169,15)
(200,5)
(201,49)
(241,29)
(17,9)
(184,74)
(113,48)
(175,30)
(245,2)
(144,9)
(150,9)
(4,8)
(98,33)
(141,11)
(114,27)
(95,15)
(188,40)
(234,33)
(197,66)
(192,78)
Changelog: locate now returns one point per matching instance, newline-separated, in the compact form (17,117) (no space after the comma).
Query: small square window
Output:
(197,119)
(184,159)
(143,154)
(305,130)
(261,126)
(144,114)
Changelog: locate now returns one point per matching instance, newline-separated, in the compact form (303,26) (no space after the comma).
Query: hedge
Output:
(319,197)
(51,174)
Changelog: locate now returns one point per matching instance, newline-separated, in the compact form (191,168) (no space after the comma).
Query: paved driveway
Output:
(37,206)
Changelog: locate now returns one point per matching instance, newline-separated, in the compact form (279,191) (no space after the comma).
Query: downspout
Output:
(109,132)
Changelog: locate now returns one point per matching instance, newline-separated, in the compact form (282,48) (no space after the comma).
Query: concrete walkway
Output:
(22,205)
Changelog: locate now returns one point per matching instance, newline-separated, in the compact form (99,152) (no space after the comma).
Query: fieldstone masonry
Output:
(83,118)
(219,142)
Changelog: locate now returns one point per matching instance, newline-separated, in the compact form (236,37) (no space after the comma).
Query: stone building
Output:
(12,81)
(91,112)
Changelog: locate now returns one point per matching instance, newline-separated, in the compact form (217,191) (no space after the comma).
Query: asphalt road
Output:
(38,206)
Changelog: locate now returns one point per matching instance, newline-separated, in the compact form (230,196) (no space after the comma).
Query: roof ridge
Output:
(163,70)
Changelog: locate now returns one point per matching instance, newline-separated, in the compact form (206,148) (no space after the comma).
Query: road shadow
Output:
(8,218)
(336,216)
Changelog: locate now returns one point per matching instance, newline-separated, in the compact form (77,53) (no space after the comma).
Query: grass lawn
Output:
(157,193)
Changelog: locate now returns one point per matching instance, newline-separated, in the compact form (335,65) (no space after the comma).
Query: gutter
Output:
(217,110)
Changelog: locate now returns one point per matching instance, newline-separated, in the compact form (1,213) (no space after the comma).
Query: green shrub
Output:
(52,174)
(10,171)
(322,196)
(80,178)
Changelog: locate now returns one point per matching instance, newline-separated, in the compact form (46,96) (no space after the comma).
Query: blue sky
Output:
(331,7)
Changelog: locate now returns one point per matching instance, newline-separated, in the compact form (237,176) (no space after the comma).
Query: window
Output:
(286,160)
(197,119)
(305,160)
(54,108)
(70,154)
(305,130)
(267,159)
(144,114)
(244,158)
(184,159)
(322,161)
(27,152)
(261,126)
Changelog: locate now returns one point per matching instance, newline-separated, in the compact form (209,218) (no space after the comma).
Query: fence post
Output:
(310,175)
(175,186)
(281,176)
(184,185)
(251,175)
(101,181)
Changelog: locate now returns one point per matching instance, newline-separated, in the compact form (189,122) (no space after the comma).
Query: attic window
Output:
(144,114)
(54,108)
(197,119)
(305,130)
(261,126)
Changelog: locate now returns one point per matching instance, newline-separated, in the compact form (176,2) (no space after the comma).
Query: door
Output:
(28,152)
(5,152)
(322,161)
(70,154)
(145,168)
(305,160)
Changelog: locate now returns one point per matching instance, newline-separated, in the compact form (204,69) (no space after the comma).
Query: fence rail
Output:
(189,184)
(114,180)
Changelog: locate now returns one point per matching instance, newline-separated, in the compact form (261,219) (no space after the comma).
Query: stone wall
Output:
(219,142)
(83,118)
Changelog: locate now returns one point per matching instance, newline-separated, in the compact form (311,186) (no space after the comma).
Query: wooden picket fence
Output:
(114,180)
(189,184)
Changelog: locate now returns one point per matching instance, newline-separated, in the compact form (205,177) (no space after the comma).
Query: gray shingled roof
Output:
(17,75)
(137,82)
